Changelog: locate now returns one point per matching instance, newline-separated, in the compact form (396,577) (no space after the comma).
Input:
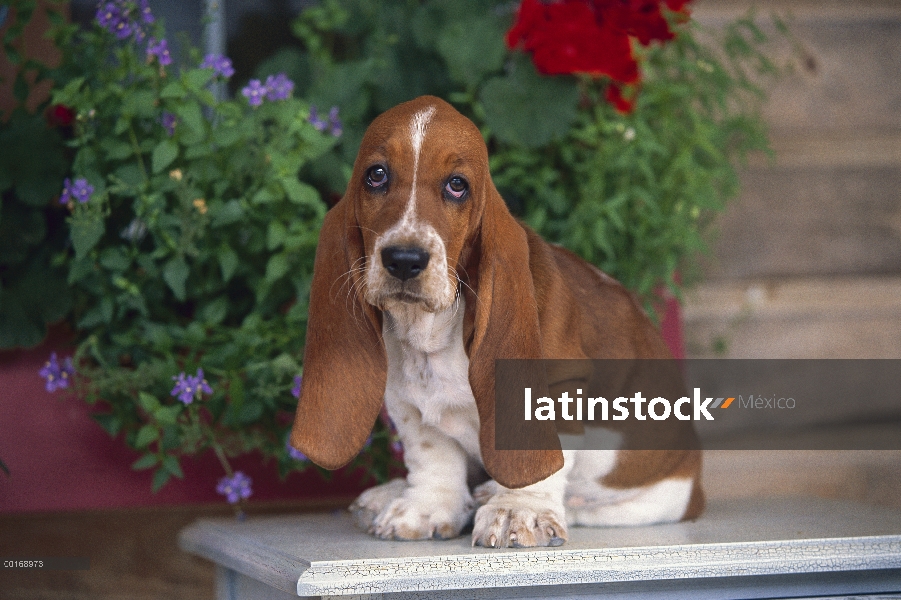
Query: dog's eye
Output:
(456,188)
(377,178)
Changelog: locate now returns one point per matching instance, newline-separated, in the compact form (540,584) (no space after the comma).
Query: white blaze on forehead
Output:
(417,129)
(418,125)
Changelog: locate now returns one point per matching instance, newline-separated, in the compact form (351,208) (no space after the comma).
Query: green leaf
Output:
(168,415)
(148,402)
(228,262)
(263,196)
(115,259)
(87,229)
(298,192)
(276,267)
(115,149)
(275,236)
(175,273)
(112,424)
(528,109)
(160,478)
(190,115)
(163,155)
(173,90)
(170,463)
(140,103)
(472,48)
(227,136)
(102,312)
(147,434)
(171,438)
(285,364)
(228,213)
(250,412)
(214,312)
(68,93)
(145,462)
(130,174)
(196,79)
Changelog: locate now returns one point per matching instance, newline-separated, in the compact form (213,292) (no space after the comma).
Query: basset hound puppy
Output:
(422,279)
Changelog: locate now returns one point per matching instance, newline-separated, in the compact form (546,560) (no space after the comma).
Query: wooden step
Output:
(771,548)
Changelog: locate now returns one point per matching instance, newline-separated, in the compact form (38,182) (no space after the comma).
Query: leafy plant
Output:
(33,162)
(192,245)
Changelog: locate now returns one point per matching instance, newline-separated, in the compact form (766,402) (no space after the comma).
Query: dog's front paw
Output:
(485,492)
(373,501)
(439,518)
(513,520)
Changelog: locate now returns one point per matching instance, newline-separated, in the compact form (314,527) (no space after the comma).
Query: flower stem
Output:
(220,454)
(138,153)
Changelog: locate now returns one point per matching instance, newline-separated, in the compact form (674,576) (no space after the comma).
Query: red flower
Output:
(529,17)
(641,19)
(614,95)
(565,37)
(592,36)
(60,115)
(677,5)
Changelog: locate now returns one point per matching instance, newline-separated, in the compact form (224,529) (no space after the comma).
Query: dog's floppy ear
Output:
(345,366)
(504,322)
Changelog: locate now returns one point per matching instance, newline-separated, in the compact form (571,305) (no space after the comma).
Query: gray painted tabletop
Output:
(325,554)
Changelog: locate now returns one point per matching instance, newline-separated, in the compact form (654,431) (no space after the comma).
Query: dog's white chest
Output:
(428,371)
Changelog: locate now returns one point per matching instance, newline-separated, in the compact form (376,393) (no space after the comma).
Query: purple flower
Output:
(397,446)
(168,122)
(144,9)
(81,190)
(254,92)
(107,14)
(333,125)
(335,122)
(222,65)
(188,388)
(278,87)
(124,18)
(114,17)
(159,49)
(294,452)
(57,375)
(295,390)
(315,121)
(235,488)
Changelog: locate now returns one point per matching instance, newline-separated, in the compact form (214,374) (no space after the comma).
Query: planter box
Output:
(60,459)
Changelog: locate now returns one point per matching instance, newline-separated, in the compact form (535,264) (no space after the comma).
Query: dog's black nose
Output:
(405,263)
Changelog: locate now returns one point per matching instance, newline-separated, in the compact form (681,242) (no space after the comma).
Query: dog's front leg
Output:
(531,516)
(435,501)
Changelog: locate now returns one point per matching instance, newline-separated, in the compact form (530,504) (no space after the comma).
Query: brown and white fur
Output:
(416,292)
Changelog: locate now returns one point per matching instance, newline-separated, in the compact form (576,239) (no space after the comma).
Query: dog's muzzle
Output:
(404,263)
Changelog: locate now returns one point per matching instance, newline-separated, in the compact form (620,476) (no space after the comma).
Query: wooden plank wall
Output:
(807,263)
(808,259)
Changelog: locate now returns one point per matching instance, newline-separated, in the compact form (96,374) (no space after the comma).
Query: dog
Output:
(423,278)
